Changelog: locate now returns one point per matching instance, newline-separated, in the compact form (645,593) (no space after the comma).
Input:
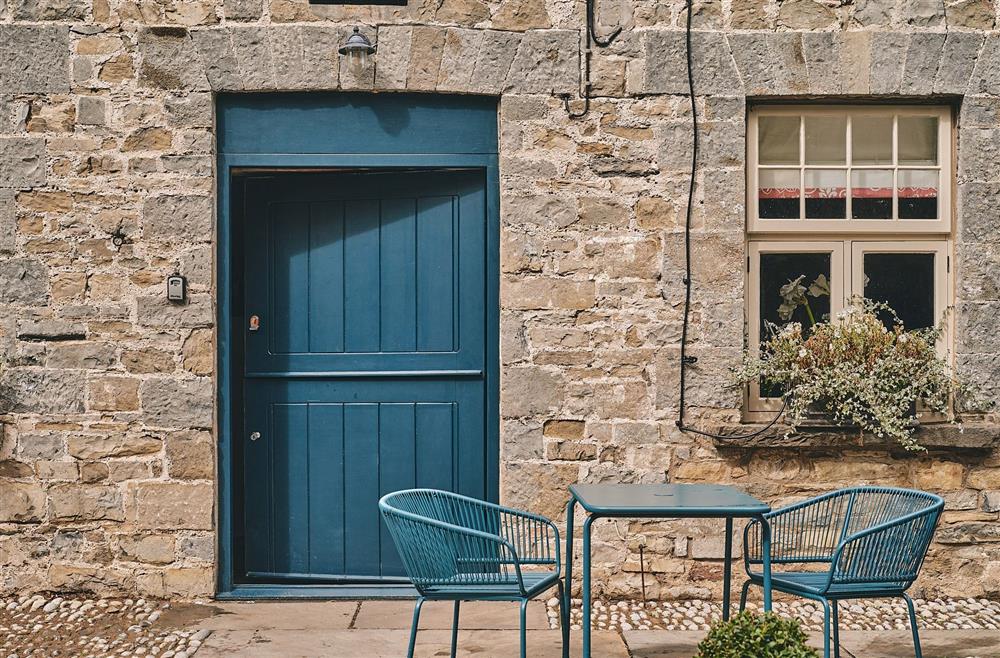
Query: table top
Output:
(667,500)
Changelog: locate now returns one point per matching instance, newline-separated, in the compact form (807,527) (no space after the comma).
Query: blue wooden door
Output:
(364,359)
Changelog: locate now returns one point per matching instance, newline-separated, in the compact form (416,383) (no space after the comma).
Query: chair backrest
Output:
(893,529)
(446,539)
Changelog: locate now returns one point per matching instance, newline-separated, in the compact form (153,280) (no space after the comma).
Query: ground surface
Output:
(380,629)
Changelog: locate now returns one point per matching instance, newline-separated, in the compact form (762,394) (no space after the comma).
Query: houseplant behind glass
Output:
(861,368)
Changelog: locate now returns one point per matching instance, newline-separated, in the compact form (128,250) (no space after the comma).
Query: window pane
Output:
(871,140)
(826,194)
(778,140)
(826,140)
(906,283)
(871,194)
(776,271)
(918,140)
(918,193)
(778,194)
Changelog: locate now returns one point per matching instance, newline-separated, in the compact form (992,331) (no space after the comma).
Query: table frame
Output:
(700,513)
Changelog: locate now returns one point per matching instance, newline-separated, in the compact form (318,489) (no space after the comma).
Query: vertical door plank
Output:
(326,277)
(436,262)
(289,294)
(290,454)
(398,274)
(361,490)
(326,488)
(361,276)
(435,439)
(397,457)
(258,482)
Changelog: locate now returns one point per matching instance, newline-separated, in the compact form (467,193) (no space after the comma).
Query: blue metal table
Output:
(673,501)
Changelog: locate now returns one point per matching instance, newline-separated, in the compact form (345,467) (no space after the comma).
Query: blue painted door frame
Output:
(338,131)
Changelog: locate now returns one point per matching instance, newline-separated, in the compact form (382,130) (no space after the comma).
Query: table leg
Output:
(586,586)
(766,541)
(727,575)
(568,590)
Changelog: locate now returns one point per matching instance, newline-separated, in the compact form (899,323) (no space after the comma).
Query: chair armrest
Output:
(891,552)
(535,537)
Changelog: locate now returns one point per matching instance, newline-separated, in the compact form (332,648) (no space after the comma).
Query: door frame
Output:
(228,272)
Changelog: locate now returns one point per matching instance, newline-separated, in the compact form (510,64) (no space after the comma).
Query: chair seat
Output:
(535,582)
(814,583)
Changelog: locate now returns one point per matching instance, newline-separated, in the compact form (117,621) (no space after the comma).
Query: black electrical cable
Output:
(685,359)
(602,42)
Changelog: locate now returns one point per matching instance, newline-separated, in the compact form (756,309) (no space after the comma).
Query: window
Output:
(832,170)
(856,200)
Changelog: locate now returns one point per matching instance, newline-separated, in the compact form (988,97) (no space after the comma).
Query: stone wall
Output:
(106,126)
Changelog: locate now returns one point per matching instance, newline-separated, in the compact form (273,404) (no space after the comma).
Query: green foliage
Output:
(750,636)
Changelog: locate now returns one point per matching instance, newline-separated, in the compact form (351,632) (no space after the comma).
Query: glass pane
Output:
(871,194)
(776,272)
(826,194)
(918,140)
(906,283)
(778,140)
(918,193)
(871,140)
(778,194)
(826,140)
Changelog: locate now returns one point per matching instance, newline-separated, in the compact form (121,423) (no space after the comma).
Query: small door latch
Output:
(254,436)
(254,322)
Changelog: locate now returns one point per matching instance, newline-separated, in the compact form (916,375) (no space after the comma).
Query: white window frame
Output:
(846,280)
(943,224)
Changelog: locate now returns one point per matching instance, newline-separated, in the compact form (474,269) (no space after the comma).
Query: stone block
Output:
(520,439)
(958,61)
(823,61)
(888,58)
(393,56)
(91,111)
(750,15)
(564,429)
(156,311)
(972,532)
(979,159)
(170,60)
(151,549)
(243,10)
(939,476)
(752,58)
(666,63)
(49,10)
(543,210)
(113,394)
(856,62)
(40,446)
(426,51)
(922,58)
(805,15)
(34,59)
(21,502)
(547,293)
(971,14)
(494,60)
(189,110)
(22,162)
(529,485)
(285,43)
(984,478)
(50,329)
(319,59)
(529,390)
(978,264)
(922,13)
(171,505)
(74,502)
(197,547)
(199,352)
(190,456)
(46,391)
(82,355)
(57,470)
(546,62)
(873,13)
(991,501)
(570,451)
(8,223)
(458,61)
(178,218)
(188,582)
(215,49)
(980,212)
(178,403)
(253,53)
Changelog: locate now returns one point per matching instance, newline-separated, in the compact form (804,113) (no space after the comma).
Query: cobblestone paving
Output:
(90,628)
(875,615)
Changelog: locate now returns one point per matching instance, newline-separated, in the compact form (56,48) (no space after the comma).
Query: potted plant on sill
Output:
(862,369)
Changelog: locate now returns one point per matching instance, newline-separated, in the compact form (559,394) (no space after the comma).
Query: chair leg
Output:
(826,629)
(413,629)
(913,627)
(524,625)
(836,629)
(454,629)
(743,595)
(563,621)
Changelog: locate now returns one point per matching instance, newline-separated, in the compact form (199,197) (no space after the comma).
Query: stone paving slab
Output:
(377,643)
(935,644)
(438,615)
(280,615)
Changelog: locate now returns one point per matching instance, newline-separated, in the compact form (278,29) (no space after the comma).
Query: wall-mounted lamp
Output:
(357,49)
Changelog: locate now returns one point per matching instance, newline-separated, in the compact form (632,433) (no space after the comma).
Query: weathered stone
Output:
(922,57)
(190,456)
(114,394)
(549,211)
(823,61)
(21,503)
(971,14)
(216,52)
(200,547)
(496,55)
(85,355)
(958,61)
(426,50)
(521,15)
(147,361)
(974,532)
(979,159)
(102,446)
(520,439)
(11,468)
(545,63)
(922,13)
(49,10)
(547,292)
(91,111)
(151,549)
(666,69)
(40,446)
(527,391)
(465,12)
(34,59)
(980,211)
(173,218)
(166,505)
(319,53)
(190,110)
(984,478)
(23,281)
(170,60)
(49,329)
(750,53)
(116,70)
(46,391)
(805,15)
(458,61)
(939,476)
(749,15)
(72,502)
(199,352)
(526,486)
(564,429)
(22,162)
(8,224)
(570,451)
(178,403)
(250,46)
(873,13)
(243,10)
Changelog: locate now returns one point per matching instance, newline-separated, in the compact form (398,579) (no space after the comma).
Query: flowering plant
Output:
(856,369)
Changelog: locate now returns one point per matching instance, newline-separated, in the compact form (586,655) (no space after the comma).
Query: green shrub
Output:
(751,636)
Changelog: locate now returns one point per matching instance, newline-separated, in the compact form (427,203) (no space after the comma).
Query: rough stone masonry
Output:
(107,473)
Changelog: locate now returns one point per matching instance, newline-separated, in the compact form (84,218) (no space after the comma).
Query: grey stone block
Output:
(979,215)
(170,60)
(888,57)
(980,111)
(666,63)
(243,10)
(922,13)
(393,56)
(91,111)
(50,329)
(8,224)
(156,311)
(458,62)
(978,325)
(822,55)
(50,10)
(285,43)
(178,404)
(320,60)
(958,61)
(215,50)
(786,54)
(546,62)
(250,45)
(977,267)
(177,218)
(189,111)
(922,58)
(23,281)
(751,54)
(46,391)
(986,76)
(873,13)
(34,58)
(979,154)
(496,54)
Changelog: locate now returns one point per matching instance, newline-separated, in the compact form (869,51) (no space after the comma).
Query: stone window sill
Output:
(977,436)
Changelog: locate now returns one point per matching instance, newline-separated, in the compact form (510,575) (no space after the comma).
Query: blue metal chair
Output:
(863,542)
(456,548)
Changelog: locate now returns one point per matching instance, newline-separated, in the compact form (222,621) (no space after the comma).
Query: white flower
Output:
(802,353)
(903,338)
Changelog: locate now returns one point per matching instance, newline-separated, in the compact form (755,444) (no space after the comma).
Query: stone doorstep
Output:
(285,616)
(437,615)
